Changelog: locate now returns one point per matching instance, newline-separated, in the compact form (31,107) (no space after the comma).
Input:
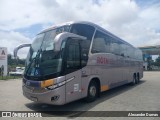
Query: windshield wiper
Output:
(36,59)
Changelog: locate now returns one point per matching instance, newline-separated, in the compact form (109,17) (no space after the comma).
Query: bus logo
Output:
(102,60)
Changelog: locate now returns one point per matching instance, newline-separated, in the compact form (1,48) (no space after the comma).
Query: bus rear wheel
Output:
(138,79)
(92,92)
(134,81)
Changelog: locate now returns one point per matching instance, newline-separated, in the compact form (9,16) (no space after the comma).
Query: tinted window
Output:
(101,43)
(123,48)
(84,52)
(130,52)
(83,30)
(115,47)
(138,54)
(73,56)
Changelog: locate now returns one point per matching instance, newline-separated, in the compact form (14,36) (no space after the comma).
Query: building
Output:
(3,61)
(148,51)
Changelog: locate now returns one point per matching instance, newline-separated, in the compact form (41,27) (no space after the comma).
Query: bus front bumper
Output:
(54,97)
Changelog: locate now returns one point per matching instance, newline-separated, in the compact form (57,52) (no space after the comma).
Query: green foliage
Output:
(9,77)
(157,61)
(13,63)
(18,61)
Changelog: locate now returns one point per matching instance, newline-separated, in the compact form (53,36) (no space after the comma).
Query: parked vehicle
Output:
(78,60)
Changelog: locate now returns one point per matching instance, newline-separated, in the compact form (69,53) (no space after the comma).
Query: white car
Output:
(19,71)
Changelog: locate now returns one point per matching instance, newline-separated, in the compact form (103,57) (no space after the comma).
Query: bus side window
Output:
(83,30)
(124,49)
(101,44)
(115,47)
(73,57)
(139,54)
(84,52)
(98,45)
(130,52)
(108,43)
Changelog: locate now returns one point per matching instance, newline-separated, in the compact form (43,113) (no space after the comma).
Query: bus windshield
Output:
(42,61)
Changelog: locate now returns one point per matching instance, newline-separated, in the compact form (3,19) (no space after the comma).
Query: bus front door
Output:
(73,69)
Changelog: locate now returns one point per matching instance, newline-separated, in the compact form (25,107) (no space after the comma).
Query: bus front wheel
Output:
(92,92)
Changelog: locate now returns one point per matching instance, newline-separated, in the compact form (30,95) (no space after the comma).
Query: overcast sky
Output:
(135,21)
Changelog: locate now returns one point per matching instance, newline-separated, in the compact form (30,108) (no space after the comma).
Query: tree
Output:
(11,61)
(17,61)
(157,61)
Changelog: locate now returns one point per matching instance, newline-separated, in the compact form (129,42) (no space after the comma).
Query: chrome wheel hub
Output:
(93,91)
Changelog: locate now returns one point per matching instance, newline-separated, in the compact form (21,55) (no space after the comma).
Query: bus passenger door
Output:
(73,70)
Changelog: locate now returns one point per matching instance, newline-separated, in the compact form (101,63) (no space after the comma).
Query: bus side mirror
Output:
(19,47)
(63,36)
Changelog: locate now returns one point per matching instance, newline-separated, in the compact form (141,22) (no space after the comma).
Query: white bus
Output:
(78,60)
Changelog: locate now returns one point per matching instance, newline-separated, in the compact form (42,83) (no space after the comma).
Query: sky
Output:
(135,21)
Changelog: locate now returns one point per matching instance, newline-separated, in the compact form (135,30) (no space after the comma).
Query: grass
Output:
(9,77)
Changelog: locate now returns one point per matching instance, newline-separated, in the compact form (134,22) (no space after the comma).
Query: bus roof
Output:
(87,23)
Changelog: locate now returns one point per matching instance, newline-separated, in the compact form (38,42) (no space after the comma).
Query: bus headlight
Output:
(47,83)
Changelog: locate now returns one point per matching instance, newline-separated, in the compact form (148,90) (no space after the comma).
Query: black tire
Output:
(134,81)
(92,92)
(138,79)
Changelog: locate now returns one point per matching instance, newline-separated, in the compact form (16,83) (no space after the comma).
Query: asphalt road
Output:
(144,96)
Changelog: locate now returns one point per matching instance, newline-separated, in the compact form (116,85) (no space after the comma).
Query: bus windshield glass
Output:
(42,61)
